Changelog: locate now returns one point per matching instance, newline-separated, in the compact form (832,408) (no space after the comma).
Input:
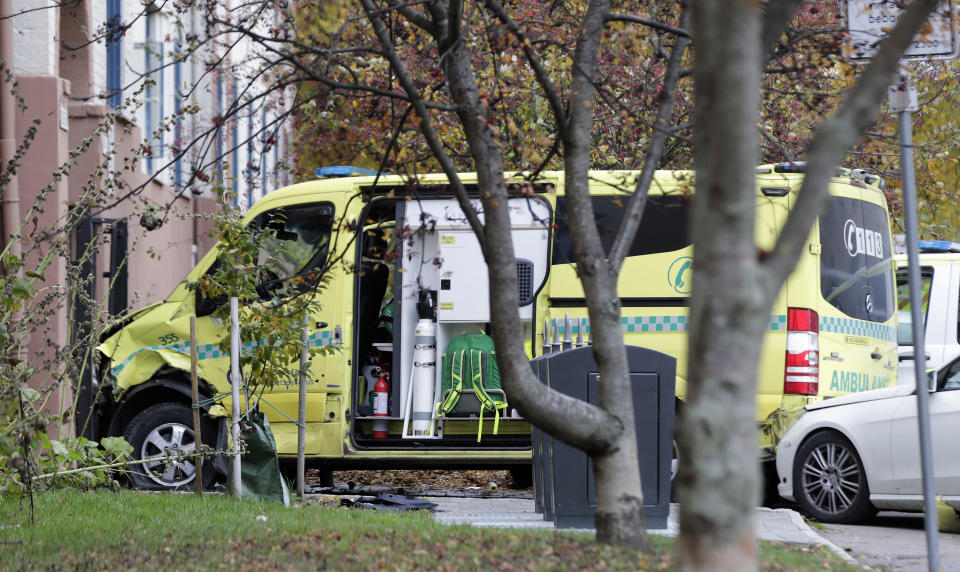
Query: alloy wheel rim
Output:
(830,478)
(675,461)
(163,440)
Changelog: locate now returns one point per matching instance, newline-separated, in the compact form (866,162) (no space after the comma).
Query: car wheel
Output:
(674,467)
(674,461)
(675,451)
(830,483)
(162,428)
(521,477)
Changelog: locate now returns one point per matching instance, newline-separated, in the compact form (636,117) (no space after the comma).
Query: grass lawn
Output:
(127,530)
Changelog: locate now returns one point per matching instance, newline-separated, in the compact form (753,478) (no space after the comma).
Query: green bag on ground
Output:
(260,476)
(470,363)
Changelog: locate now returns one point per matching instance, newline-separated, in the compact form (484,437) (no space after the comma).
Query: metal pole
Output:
(556,335)
(546,337)
(195,397)
(235,388)
(302,413)
(919,358)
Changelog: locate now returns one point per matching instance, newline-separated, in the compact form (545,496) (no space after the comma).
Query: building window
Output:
(153,94)
(114,53)
(235,142)
(177,146)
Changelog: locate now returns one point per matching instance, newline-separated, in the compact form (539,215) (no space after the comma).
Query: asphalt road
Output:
(893,541)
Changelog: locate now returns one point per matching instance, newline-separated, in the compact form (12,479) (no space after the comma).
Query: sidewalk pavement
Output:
(774,524)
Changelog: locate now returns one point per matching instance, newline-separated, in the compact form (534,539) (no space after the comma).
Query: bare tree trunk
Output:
(729,305)
(735,287)
(616,469)
(606,432)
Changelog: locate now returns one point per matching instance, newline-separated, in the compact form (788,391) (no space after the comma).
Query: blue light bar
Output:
(343,171)
(790,167)
(938,246)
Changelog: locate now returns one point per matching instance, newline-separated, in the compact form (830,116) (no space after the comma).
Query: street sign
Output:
(869,22)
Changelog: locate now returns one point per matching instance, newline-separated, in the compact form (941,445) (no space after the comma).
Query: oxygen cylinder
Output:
(381,397)
(424,375)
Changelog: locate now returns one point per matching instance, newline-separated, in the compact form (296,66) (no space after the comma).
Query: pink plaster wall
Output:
(44,97)
(160,258)
(157,260)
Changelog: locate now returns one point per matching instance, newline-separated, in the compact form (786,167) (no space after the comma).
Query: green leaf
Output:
(59,448)
(29,395)
(8,445)
(11,262)
(118,446)
(22,288)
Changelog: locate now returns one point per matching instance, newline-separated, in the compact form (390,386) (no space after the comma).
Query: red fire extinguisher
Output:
(381,395)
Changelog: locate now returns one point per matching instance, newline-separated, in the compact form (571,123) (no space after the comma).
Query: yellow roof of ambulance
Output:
(622,179)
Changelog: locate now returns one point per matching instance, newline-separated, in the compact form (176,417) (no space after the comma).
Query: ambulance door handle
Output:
(875,355)
(905,357)
(322,325)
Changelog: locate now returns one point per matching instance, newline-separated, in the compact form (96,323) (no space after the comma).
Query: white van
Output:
(940,298)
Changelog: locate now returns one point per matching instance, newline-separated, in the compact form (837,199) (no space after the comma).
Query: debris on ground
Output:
(387,501)
(462,483)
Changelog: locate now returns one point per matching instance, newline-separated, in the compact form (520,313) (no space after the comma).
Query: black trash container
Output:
(564,488)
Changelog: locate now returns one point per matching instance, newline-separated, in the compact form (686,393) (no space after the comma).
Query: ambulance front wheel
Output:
(162,434)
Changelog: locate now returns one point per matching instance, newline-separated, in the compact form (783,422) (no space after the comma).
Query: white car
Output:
(849,456)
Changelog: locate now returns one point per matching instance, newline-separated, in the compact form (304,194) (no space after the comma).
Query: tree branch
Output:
(838,134)
(775,20)
(406,10)
(661,130)
(784,152)
(426,127)
(655,24)
(543,78)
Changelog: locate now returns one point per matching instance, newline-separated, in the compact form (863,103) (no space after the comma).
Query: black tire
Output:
(288,468)
(325,477)
(769,491)
(167,426)
(829,481)
(521,477)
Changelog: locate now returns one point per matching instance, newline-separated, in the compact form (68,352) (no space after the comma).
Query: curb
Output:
(816,538)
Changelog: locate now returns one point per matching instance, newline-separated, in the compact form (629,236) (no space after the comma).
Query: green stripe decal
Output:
(654,324)
(212,351)
(861,328)
(778,323)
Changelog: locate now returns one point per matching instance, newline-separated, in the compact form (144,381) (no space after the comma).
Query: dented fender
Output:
(160,338)
(776,424)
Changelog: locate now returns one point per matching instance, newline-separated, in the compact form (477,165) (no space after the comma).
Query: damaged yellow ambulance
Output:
(832,329)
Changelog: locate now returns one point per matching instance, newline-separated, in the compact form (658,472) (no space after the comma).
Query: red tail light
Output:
(801,371)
